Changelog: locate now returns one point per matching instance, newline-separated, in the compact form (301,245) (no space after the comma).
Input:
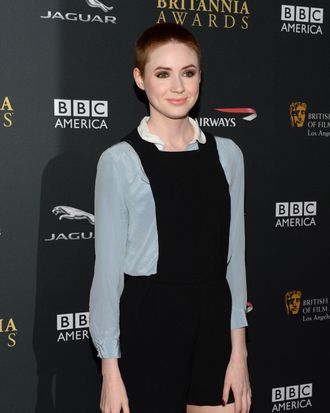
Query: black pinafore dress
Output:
(175,324)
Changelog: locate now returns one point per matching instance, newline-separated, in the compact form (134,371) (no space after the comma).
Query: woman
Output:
(169,240)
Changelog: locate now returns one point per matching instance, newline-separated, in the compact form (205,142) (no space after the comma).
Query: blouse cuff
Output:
(109,348)
(238,318)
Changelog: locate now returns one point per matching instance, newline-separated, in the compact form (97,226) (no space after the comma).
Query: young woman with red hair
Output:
(168,300)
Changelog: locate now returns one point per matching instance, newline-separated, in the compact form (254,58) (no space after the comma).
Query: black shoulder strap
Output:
(131,137)
(208,134)
(210,140)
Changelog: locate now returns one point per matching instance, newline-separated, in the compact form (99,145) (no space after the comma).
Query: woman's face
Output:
(171,80)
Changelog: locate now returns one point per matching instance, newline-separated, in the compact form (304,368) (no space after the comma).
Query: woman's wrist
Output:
(239,354)
(238,344)
(110,367)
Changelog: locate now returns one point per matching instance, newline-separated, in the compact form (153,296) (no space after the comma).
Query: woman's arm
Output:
(237,376)
(236,272)
(111,223)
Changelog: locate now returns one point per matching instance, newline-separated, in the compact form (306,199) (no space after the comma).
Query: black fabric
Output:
(175,324)
(192,209)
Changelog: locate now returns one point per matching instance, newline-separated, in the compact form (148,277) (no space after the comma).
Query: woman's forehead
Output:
(172,54)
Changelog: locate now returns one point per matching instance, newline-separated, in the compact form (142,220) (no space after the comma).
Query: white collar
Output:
(149,137)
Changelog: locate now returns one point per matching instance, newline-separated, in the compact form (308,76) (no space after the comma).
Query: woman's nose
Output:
(177,85)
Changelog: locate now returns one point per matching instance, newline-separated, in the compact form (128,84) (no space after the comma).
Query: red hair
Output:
(159,34)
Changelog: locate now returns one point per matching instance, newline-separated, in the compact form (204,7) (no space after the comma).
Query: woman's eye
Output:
(189,73)
(162,75)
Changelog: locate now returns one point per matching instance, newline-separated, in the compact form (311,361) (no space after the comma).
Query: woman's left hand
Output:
(237,378)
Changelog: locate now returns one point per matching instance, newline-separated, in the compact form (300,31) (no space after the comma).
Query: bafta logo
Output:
(298,114)
(292,302)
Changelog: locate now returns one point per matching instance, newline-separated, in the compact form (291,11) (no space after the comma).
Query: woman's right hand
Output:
(113,395)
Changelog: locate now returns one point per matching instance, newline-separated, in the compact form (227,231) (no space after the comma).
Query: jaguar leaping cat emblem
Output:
(72,213)
(97,3)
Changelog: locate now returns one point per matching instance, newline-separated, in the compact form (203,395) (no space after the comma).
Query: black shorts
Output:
(175,343)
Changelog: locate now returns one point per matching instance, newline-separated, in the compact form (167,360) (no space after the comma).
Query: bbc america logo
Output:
(72,326)
(301,19)
(292,397)
(81,113)
(295,214)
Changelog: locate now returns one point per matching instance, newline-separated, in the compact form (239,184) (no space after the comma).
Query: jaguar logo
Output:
(97,3)
(68,212)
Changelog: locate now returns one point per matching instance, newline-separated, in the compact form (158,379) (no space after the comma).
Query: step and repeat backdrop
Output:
(67,94)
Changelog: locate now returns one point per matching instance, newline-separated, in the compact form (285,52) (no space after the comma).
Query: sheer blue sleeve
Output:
(111,223)
(233,163)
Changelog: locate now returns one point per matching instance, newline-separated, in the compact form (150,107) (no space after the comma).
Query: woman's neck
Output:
(175,133)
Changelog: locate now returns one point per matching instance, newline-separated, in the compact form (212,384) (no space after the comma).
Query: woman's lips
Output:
(180,101)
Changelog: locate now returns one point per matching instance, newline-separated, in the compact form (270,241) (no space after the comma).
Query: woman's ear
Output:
(138,78)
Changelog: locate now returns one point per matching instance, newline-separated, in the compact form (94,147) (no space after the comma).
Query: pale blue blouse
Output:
(126,239)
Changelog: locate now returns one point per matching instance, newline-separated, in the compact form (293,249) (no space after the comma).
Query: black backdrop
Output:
(259,58)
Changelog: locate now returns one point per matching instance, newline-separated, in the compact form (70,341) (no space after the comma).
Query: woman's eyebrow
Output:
(168,68)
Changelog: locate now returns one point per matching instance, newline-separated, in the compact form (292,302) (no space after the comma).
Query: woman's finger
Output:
(126,407)
(249,399)
(225,393)
(244,402)
(238,401)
